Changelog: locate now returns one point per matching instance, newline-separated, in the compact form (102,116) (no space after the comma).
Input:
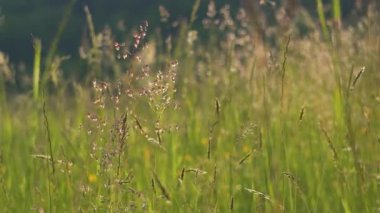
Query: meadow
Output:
(216,119)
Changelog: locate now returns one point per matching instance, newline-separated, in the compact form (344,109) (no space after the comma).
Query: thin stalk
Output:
(48,137)
(54,44)
(194,11)
(122,140)
(36,67)
(49,187)
(351,139)
(3,94)
(337,13)
(51,158)
(284,72)
(322,20)
(91,27)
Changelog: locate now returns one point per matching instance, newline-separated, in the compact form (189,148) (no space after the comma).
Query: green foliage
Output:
(226,125)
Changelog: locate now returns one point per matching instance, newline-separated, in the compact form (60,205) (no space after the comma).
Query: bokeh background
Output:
(22,18)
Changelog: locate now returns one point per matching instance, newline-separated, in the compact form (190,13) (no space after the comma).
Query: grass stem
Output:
(36,67)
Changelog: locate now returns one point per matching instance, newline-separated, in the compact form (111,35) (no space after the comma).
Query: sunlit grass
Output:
(213,126)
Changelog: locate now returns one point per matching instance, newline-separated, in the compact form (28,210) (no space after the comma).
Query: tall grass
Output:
(57,37)
(221,127)
(322,19)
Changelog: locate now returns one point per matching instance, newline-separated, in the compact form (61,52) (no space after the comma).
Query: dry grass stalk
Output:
(91,25)
(122,133)
(217,107)
(48,137)
(302,112)
(51,155)
(232,204)
(357,77)
(153,186)
(283,71)
(164,191)
(331,145)
(209,148)
(258,193)
(244,158)
(182,174)
(294,181)
(214,176)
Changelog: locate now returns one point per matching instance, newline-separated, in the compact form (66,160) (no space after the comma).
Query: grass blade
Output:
(36,67)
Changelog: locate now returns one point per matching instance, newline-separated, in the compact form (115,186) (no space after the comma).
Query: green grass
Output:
(222,128)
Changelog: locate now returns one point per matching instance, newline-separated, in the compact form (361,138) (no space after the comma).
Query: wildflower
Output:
(92,178)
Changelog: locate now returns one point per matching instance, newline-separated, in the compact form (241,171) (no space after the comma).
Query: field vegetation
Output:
(223,118)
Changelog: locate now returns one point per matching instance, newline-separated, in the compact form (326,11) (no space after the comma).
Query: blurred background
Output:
(20,20)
